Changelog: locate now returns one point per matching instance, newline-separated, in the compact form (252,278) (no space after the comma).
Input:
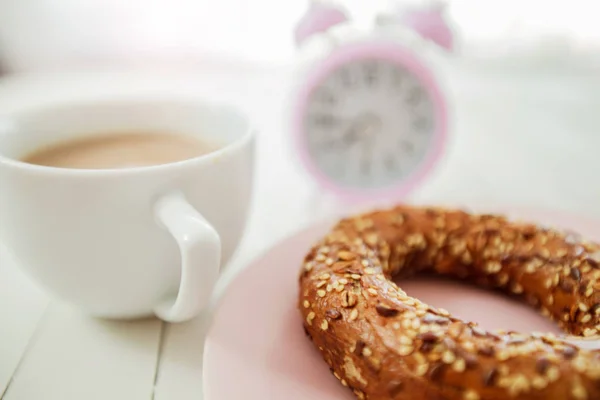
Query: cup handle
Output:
(200,247)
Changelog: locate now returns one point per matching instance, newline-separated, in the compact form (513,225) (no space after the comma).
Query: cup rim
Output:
(219,106)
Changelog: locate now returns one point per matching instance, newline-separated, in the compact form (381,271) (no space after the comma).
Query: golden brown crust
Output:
(383,344)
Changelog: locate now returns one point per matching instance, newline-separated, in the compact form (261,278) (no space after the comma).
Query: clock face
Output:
(369,124)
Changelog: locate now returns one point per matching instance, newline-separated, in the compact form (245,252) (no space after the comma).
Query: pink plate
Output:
(256,348)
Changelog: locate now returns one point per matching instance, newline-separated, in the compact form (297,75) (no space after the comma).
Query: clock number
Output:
(325,95)
(421,124)
(325,121)
(390,163)
(397,78)
(415,96)
(346,78)
(370,73)
(407,146)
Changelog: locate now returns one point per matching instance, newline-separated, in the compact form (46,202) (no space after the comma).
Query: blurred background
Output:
(523,82)
(45,34)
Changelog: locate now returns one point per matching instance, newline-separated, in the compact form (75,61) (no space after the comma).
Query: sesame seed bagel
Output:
(384,344)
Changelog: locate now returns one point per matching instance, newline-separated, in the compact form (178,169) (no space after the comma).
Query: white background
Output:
(525,135)
(43,34)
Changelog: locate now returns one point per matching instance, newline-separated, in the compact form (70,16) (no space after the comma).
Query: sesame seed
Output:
(471,395)
(545,312)
(421,369)
(351,299)
(586,269)
(367,352)
(583,307)
(579,392)
(448,357)
(519,384)
(443,312)
(580,364)
(348,299)
(477,331)
(517,288)
(405,340)
(493,267)
(321,293)
(530,268)
(324,277)
(329,261)
(539,382)
(553,373)
(324,325)
(502,355)
(353,315)
(309,318)
(346,255)
(469,346)
(459,365)
(306,303)
(371,239)
(321,284)
(420,358)
(405,350)
(372,291)
(415,324)
(586,318)
(355,277)
(589,332)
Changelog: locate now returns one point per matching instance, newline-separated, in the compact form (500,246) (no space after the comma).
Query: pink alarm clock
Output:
(369,114)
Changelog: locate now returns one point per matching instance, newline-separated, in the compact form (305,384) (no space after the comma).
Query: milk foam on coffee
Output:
(120,150)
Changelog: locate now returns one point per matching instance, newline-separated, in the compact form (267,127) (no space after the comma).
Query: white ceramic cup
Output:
(126,243)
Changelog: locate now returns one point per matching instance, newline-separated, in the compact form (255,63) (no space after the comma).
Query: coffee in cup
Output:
(120,150)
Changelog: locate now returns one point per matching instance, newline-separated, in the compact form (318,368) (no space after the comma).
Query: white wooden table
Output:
(517,140)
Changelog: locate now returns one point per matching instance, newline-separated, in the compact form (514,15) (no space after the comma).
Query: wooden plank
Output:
(74,356)
(179,374)
(22,304)
(180,368)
